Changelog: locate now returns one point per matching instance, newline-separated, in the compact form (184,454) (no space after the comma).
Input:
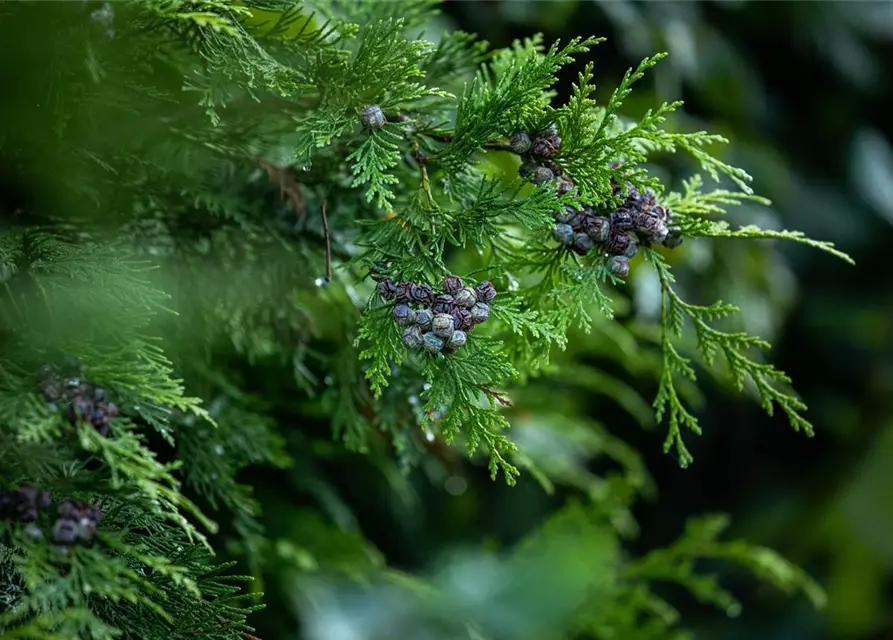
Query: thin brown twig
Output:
(325,230)
(499,397)
(423,173)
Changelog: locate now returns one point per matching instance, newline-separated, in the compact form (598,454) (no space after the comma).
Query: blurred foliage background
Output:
(805,92)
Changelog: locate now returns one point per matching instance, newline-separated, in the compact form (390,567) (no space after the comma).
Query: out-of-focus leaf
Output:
(872,171)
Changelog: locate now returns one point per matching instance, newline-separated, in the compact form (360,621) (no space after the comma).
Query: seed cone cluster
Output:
(81,400)
(537,152)
(438,322)
(77,521)
(638,220)
(24,503)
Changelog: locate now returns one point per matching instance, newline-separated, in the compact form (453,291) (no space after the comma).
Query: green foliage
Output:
(142,579)
(372,160)
(599,593)
(699,541)
(711,341)
(504,95)
(204,259)
(693,206)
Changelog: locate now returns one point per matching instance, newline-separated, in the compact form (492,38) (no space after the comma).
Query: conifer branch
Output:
(766,379)
(676,563)
(694,206)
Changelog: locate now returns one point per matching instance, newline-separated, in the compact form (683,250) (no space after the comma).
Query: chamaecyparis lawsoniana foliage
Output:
(194,202)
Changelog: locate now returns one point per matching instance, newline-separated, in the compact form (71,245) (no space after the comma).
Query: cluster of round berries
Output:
(82,401)
(537,152)
(638,220)
(24,503)
(438,322)
(76,521)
